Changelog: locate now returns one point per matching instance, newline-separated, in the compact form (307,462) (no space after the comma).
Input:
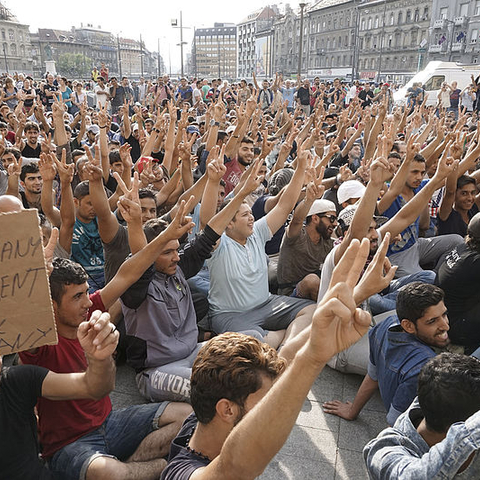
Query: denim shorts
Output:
(118,437)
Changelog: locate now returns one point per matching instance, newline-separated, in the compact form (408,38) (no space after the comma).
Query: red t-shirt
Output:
(232,175)
(62,422)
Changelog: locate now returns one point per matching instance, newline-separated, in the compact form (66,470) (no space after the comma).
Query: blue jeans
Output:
(383,303)
(118,437)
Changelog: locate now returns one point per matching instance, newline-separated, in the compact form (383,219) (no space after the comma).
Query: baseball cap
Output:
(350,189)
(193,129)
(473,228)
(321,206)
(230,129)
(94,128)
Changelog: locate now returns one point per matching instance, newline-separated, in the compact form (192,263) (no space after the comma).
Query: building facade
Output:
(16,52)
(455,29)
(392,38)
(255,43)
(366,39)
(214,52)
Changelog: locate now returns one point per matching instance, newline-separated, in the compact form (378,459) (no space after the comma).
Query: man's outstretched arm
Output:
(259,436)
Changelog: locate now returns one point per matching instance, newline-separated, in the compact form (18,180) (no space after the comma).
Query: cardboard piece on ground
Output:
(26,312)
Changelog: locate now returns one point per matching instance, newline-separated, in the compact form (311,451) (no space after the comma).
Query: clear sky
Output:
(149,18)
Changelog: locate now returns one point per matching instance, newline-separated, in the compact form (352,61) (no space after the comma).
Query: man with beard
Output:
(235,374)
(239,164)
(305,247)
(399,347)
(30,180)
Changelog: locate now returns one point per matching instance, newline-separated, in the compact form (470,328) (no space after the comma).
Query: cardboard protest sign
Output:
(26,312)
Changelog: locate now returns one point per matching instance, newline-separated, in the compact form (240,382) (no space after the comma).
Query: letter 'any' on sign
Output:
(26,311)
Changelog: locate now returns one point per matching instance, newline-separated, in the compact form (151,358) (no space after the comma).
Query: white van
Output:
(434,75)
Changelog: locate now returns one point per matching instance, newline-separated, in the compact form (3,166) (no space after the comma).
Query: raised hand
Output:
(65,171)
(98,337)
(15,168)
(147,177)
(181,223)
(254,179)
(378,275)
(337,323)
(46,167)
(130,193)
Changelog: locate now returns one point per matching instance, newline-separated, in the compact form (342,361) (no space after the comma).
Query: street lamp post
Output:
(300,48)
(382,41)
(141,55)
(5,57)
(182,43)
(119,57)
(354,43)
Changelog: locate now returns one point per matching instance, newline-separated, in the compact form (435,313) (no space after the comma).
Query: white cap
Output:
(350,189)
(321,206)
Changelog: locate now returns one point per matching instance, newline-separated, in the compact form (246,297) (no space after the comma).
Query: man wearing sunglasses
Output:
(304,247)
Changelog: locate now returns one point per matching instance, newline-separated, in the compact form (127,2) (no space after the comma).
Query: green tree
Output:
(74,65)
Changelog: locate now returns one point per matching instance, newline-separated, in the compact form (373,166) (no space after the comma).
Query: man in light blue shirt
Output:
(239,296)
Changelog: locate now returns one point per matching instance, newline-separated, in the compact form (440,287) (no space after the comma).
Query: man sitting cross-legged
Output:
(158,309)
(235,374)
(86,439)
(239,297)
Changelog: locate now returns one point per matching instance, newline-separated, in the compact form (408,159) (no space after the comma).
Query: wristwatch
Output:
(213,123)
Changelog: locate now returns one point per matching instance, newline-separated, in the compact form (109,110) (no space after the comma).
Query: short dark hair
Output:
(14,151)
(415,298)
(65,272)
(449,390)
(3,124)
(247,140)
(31,126)
(154,227)
(147,193)
(418,157)
(31,167)
(465,180)
(393,154)
(114,157)
(230,366)
(82,190)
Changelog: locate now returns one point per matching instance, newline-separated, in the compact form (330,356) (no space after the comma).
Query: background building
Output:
(455,28)
(255,43)
(17,51)
(214,52)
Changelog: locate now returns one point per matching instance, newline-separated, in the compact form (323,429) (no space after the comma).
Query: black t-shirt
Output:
(29,152)
(136,150)
(366,97)
(459,277)
(50,88)
(303,95)
(29,102)
(182,462)
(454,223)
(119,97)
(20,387)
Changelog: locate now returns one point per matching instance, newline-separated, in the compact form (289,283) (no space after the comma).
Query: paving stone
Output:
(350,465)
(355,435)
(288,467)
(312,415)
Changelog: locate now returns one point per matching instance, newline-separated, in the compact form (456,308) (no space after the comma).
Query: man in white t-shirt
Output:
(101,93)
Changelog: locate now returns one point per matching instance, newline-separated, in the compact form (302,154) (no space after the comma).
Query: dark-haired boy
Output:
(439,435)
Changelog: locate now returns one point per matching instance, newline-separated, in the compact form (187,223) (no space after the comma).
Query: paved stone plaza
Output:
(321,446)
